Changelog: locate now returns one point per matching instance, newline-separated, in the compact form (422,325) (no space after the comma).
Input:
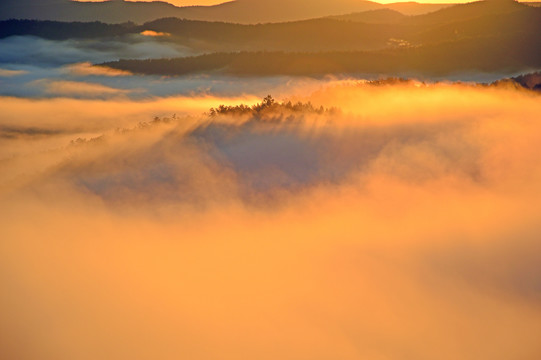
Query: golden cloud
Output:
(86,69)
(153,33)
(403,225)
(11,73)
(79,88)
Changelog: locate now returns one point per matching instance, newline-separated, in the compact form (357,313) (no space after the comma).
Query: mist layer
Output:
(398,221)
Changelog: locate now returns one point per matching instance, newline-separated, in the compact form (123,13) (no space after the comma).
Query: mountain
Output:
(56,30)
(308,35)
(67,10)
(414,8)
(261,11)
(380,29)
(434,14)
(322,34)
(488,37)
(461,12)
(522,22)
(482,55)
(238,11)
(379,16)
(529,81)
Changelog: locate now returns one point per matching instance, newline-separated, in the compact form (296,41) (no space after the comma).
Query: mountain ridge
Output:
(238,11)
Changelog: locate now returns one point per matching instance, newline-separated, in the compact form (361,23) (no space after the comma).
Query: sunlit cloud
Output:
(11,73)
(88,69)
(154,33)
(31,50)
(79,89)
(404,222)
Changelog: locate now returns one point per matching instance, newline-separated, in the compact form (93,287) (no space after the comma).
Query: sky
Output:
(183,2)
(215,2)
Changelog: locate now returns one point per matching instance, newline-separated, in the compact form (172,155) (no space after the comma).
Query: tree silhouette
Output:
(269,106)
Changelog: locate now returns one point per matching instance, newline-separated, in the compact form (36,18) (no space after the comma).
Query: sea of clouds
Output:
(403,224)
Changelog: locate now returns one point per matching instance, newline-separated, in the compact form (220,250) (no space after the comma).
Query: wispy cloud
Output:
(45,53)
(11,73)
(88,69)
(79,89)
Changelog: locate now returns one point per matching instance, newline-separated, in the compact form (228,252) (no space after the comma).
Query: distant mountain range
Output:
(370,30)
(237,11)
(485,36)
(494,36)
(491,55)
(447,14)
